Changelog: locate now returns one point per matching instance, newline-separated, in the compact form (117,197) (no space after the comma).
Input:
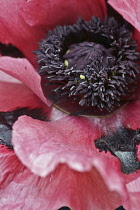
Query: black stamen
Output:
(122,144)
(7,119)
(89,68)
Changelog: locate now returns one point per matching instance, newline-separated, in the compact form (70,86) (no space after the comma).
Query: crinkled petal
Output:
(20,189)
(63,141)
(130,10)
(43,146)
(21,69)
(134,191)
(24,23)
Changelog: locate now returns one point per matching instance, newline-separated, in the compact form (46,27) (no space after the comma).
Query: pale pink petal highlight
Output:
(7,78)
(129,9)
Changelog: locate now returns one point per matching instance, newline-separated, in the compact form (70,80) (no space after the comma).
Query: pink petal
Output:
(7,78)
(15,30)
(31,19)
(21,69)
(43,146)
(14,95)
(130,10)
(134,191)
(52,13)
(20,189)
(54,143)
(63,187)
(131,115)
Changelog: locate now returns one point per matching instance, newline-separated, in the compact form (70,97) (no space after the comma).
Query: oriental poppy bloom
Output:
(84,155)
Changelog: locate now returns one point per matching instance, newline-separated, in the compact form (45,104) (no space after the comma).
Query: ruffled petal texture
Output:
(68,140)
(43,146)
(59,189)
(130,10)
(55,163)
(20,189)
(134,191)
(30,19)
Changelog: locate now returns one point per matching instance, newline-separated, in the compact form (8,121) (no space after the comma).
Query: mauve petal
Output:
(20,189)
(130,10)
(134,192)
(10,165)
(64,187)
(52,13)
(14,95)
(43,146)
(15,30)
(24,23)
(54,142)
(21,69)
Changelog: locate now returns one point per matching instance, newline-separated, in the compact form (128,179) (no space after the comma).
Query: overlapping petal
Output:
(22,189)
(133,188)
(7,78)
(68,140)
(14,95)
(30,19)
(46,147)
(22,69)
(130,10)
(15,177)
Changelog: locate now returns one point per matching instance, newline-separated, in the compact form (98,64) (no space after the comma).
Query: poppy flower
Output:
(58,159)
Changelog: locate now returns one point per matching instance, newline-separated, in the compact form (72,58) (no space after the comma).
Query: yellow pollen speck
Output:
(66,63)
(82,77)
(113,73)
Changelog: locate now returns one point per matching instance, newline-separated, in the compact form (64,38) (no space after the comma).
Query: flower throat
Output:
(89,68)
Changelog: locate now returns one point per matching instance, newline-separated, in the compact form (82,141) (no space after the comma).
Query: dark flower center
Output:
(89,68)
